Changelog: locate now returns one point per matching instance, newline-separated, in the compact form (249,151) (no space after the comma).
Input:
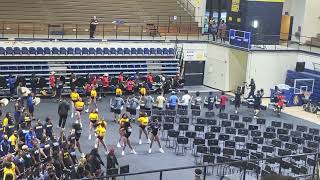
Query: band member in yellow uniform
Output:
(101,132)
(74,95)
(143,90)
(93,99)
(118,91)
(93,117)
(143,123)
(122,121)
(79,106)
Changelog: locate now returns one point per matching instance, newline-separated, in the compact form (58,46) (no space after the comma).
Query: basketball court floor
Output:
(144,161)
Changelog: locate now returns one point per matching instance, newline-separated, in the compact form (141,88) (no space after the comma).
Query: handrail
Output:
(211,165)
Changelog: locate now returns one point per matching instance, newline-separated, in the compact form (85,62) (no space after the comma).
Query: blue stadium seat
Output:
(16,50)
(92,51)
(106,51)
(2,51)
(165,51)
(120,51)
(9,51)
(24,50)
(146,51)
(85,51)
(127,51)
(40,50)
(113,51)
(32,50)
(133,51)
(99,51)
(55,50)
(46,51)
(63,51)
(70,50)
(140,51)
(77,51)
(159,51)
(171,51)
(153,51)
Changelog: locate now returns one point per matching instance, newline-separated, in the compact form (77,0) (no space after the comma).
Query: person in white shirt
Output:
(186,99)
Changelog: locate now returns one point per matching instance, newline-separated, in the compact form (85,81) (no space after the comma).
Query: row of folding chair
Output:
(85,51)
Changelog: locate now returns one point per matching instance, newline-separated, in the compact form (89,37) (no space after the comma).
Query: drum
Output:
(36,101)
(4,102)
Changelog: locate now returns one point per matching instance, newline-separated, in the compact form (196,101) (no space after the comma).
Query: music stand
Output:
(112,171)
(124,169)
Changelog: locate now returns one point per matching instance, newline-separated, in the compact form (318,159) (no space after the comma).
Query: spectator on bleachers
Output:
(93,26)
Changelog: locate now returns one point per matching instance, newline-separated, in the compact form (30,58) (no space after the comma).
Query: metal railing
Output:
(256,168)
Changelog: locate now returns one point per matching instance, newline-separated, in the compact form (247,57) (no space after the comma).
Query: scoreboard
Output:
(240,38)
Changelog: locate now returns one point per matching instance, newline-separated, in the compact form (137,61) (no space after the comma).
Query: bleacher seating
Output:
(86,51)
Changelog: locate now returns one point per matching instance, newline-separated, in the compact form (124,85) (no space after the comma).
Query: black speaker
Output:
(300,66)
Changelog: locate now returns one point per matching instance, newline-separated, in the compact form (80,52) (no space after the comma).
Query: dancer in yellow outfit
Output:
(101,132)
(93,99)
(74,96)
(143,123)
(79,106)
(93,117)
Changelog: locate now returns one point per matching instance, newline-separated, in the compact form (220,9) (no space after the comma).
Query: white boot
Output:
(161,150)
(89,137)
(140,142)
(149,141)
(150,150)
(133,151)
(119,145)
(122,153)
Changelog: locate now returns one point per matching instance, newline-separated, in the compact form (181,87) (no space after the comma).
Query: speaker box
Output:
(300,66)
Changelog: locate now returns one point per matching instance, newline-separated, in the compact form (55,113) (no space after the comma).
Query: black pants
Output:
(92,30)
(62,120)
(251,93)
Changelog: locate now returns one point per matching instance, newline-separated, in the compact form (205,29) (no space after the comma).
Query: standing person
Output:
(237,99)
(74,95)
(11,84)
(133,104)
(197,102)
(93,99)
(52,83)
(173,101)
(30,105)
(126,132)
(222,30)
(79,106)
(101,132)
(34,81)
(143,123)
(148,102)
(63,110)
(120,79)
(77,133)
(185,100)
(93,118)
(150,80)
(117,105)
(48,128)
(214,30)
(154,129)
(252,86)
(256,104)
(60,84)
(160,101)
(280,103)
(130,86)
(211,101)
(122,122)
(93,26)
(223,102)
(112,161)
(105,83)
(72,81)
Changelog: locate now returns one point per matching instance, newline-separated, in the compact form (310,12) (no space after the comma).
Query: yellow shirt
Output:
(11,170)
(5,121)
(123,120)
(93,93)
(118,91)
(74,96)
(79,105)
(101,131)
(93,116)
(143,121)
(143,91)
(13,140)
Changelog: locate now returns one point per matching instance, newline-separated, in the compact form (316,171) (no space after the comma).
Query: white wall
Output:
(311,24)
(200,10)
(194,51)
(309,59)
(269,68)
(216,72)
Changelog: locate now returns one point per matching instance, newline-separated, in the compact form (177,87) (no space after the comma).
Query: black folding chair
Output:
(223,116)
(302,128)
(171,137)
(240,140)
(242,153)
(243,132)
(252,146)
(195,113)
(231,131)
(276,124)
(234,117)
(258,140)
(228,152)
(223,137)
(255,133)
(197,142)
(212,142)
(239,125)
(287,126)
(181,144)
(182,112)
(112,171)
(291,146)
(201,121)
(316,138)
(269,135)
(307,137)
(199,129)
(282,131)
(247,120)
(209,114)
(297,140)
(226,123)
(284,138)
(261,122)
(171,113)
(200,150)
(158,112)
(184,120)
(284,152)
(314,131)
(208,159)
(312,144)
(270,129)
(296,134)
(253,127)
(209,135)
(190,135)
(167,127)
(215,150)
(158,118)
(211,122)
(124,169)
(169,119)
(276,143)
(183,128)
(215,129)
(230,144)
(267,149)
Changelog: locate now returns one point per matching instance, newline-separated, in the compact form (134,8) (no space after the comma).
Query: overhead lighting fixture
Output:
(255,24)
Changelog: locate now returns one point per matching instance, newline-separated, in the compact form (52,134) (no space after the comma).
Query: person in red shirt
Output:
(130,86)
(120,78)
(149,80)
(223,102)
(52,82)
(280,103)
(105,82)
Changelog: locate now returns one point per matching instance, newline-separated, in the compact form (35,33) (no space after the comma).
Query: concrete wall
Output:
(269,68)
(311,24)
(309,59)
(237,68)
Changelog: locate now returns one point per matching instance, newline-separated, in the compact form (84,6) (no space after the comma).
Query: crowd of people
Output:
(30,147)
